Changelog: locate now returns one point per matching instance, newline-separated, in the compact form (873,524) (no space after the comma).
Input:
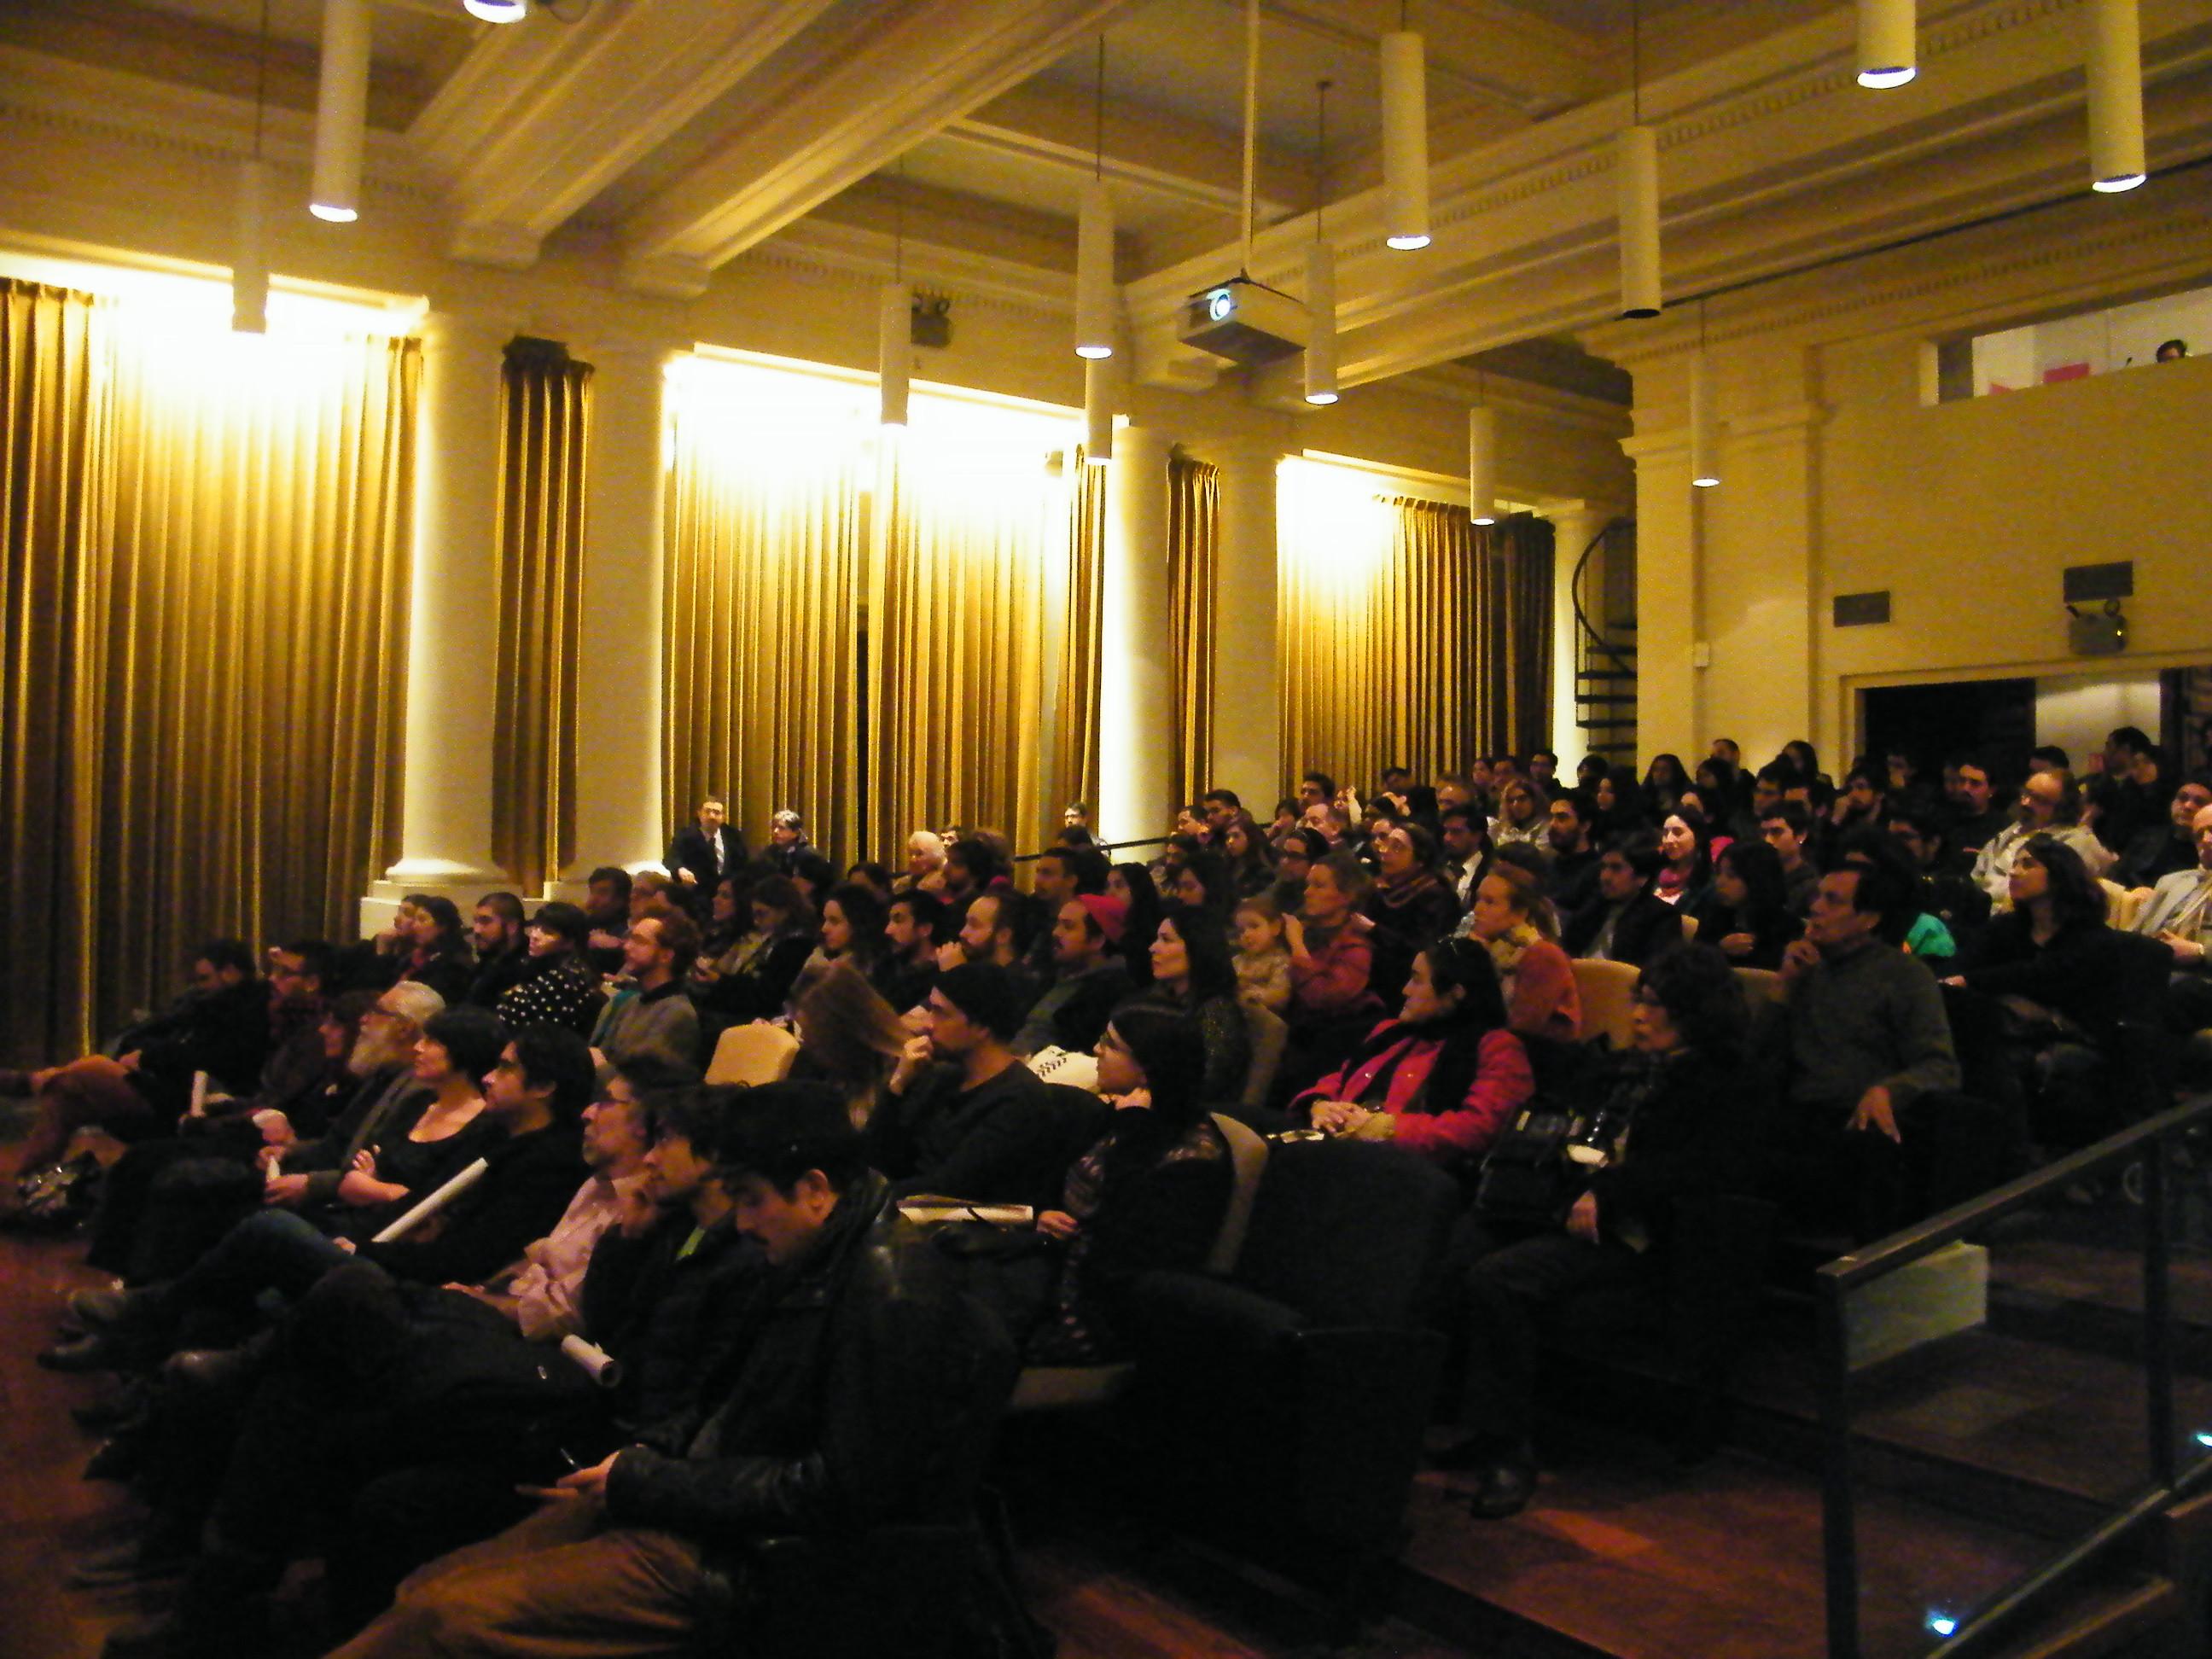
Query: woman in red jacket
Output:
(1445,1077)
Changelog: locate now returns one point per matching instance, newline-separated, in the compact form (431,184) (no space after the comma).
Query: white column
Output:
(1136,690)
(1575,524)
(445,815)
(618,670)
(1248,744)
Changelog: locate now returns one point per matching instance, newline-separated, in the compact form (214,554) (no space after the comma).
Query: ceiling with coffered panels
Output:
(686,133)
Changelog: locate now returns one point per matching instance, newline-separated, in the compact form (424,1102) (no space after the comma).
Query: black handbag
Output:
(1526,1180)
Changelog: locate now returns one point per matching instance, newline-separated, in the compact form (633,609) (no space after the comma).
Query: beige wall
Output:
(1840,476)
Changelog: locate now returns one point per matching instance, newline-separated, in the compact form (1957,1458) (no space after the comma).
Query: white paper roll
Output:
(602,1367)
(437,1201)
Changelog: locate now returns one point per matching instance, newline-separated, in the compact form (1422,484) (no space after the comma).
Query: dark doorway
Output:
(1995,718)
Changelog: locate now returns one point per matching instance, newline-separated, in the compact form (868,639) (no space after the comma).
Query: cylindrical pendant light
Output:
(1482,463)
(1405,141)
(1637,164)
(1887,42)
(2113,58)
(249,265)
(1094,274)
(1321,273)
(1321,323)
(1094,239)
(894,350)
(1705,467)
(1098,412)
(341,112)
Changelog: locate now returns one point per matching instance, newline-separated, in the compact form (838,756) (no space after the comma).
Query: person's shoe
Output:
(101,1352)
(1506,1487)
(211,1371)
(100,1310)
(118,1457)
(154,1636)
(131,1562)
(122,1406)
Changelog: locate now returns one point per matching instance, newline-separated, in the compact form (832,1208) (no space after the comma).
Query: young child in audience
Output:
(1263,961)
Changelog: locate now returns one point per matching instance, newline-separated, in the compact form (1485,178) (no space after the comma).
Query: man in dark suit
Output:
(1628,921)
(703,853)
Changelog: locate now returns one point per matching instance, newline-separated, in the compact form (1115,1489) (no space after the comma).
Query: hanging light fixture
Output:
(1098,412)
(894,323)
(1404,139)
(497,11)
(1320,271)
(1705,470)
(341,112)
(1094,243)
(249,264)
(2113,59)
(1482,458)
(1635,164)
(1886,42)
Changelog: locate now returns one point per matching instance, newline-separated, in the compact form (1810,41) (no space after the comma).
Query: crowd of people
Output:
(367,1190)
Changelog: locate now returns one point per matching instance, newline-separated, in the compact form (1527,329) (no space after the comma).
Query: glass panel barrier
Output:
(2011,1388)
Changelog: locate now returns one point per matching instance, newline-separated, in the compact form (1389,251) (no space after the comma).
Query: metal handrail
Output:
(2146,1142)
(1096,846)
(1590,633)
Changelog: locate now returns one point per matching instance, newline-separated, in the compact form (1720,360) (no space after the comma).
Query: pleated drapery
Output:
(963,631)
(1409,636)
(545,403)
(1193,547)
(1075,756)
(205,646)
(765,561)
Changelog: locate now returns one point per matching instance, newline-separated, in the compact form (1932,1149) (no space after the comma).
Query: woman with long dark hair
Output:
(1621,804)
(1664,781)
(1251,856)
(1685,842)
(1442,1079)
(1194,973)
(756,984)
(1132,883)
(1745,913)
(2053,947)
(433,946)
(1148,1196)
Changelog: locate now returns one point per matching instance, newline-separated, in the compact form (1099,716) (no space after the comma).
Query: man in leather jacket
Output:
(864,1395)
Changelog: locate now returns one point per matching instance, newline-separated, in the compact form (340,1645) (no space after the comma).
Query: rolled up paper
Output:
(602,1367)
(199,1108)
(436,1201)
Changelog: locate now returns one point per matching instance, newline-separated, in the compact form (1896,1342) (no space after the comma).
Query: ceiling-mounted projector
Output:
(1244,321)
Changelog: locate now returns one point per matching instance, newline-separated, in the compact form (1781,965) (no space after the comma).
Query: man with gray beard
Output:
(194,1199)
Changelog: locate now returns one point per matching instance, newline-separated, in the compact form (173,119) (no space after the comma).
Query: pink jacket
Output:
(1502,1082)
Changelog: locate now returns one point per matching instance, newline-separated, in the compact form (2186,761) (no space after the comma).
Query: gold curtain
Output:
(1422,650)
(1194,546)
(1075,763)
(207,545)
(760,664)
(959,613)
(1513,670)
(545,425)
(56,504)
